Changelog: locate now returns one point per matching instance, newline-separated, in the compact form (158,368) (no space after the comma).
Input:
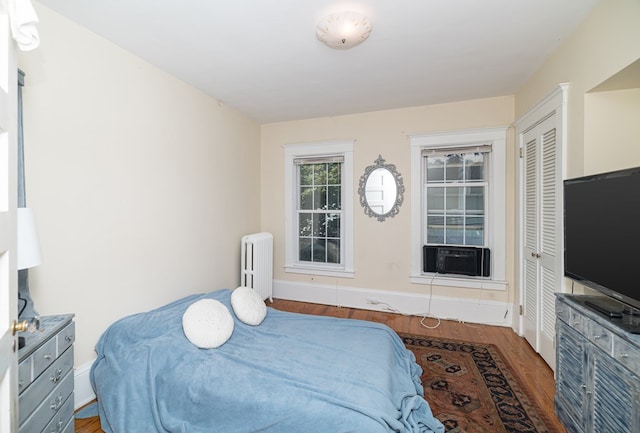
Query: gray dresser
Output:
(45,377)
(597,370)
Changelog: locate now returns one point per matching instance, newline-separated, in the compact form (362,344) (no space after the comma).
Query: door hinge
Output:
(521,310)
(521,152)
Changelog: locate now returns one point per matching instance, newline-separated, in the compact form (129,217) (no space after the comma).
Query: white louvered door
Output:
(542,235)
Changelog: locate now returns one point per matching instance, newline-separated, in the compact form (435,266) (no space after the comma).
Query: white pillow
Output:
(207,323)
(248,306)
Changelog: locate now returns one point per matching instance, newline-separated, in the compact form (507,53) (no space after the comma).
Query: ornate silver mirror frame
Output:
(379,197)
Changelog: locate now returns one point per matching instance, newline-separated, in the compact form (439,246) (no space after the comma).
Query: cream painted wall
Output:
(382,249)
(141,185)
(612,130)
(605,43)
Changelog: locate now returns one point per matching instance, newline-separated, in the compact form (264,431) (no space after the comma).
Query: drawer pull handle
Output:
(597,337)
(55,377)
(58,427)
(48,356)
(624,355)
(56,403)
(68,338)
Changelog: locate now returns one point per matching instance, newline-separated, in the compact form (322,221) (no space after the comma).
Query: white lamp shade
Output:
(29,254)
(343,30)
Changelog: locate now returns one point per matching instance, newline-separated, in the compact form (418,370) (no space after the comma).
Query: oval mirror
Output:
(381,190)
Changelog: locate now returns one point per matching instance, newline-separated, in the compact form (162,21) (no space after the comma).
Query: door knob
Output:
(30,325)
(19,326)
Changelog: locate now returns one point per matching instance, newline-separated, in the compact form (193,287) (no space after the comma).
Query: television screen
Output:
(602,233)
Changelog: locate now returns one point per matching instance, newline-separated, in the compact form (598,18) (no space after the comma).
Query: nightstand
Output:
(45,377)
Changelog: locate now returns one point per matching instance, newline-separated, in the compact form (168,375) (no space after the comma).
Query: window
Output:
(319,203)
(455,193)
(319,209)
(458,194)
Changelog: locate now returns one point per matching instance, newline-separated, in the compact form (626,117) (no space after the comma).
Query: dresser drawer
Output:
(627,354)
(600,336)
(44,357)
(57,405)
(579,322)
(66,337)
(61,420)
(44,384)
(70,428)
(563,312)
(24,373)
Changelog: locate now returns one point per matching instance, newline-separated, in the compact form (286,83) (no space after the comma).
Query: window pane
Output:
(435,229)
(304,252)
(306,198)
(334,198)
(334,176)
(474,166)
(454,230)
(475,200)
(435,199)
(455,199)
(320,197)
(333,251)
(333,225)
(319,225)
(435,169)
(306,174)
(319,250)
(454,170)
(474,231)
(305,224)
(320,174)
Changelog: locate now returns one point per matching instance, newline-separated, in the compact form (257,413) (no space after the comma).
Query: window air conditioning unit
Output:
(444,259)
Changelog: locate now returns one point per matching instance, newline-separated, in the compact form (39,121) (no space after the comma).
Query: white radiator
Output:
(256,268)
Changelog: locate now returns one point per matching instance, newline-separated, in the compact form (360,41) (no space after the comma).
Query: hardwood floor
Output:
(532,372)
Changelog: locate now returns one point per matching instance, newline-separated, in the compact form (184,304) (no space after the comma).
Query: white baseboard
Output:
(415,304)
(83,391)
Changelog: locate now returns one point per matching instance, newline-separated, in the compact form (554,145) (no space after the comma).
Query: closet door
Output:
(542,234)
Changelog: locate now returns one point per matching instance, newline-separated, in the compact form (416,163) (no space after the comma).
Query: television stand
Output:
(597,368)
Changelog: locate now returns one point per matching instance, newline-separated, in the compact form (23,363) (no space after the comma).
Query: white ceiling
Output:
(263,59)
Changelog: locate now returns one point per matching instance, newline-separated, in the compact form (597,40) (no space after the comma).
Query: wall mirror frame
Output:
(381,190)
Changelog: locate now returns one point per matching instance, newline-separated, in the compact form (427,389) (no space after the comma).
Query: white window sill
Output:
(459,281)
(316,270)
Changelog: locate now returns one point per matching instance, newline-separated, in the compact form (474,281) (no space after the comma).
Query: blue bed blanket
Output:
(293,373)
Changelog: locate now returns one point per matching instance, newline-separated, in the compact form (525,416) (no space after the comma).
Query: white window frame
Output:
(310,150)
(495,213)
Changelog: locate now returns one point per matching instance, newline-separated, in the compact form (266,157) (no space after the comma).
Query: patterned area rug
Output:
(471,389)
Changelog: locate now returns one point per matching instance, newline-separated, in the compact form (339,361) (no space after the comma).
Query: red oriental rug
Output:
(471,388)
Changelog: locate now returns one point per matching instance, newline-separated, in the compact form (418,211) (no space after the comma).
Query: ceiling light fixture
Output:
(343,30)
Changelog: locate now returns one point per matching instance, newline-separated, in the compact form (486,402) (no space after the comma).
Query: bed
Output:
(291,373)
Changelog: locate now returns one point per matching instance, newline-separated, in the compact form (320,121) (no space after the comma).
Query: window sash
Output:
(452,213)
(319,220)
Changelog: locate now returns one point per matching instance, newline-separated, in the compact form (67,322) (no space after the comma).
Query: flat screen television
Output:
(602,239)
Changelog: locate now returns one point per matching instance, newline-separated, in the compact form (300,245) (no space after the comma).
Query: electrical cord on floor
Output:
(427,314)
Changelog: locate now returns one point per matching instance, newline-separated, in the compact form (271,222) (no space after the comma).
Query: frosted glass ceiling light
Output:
(343,30)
